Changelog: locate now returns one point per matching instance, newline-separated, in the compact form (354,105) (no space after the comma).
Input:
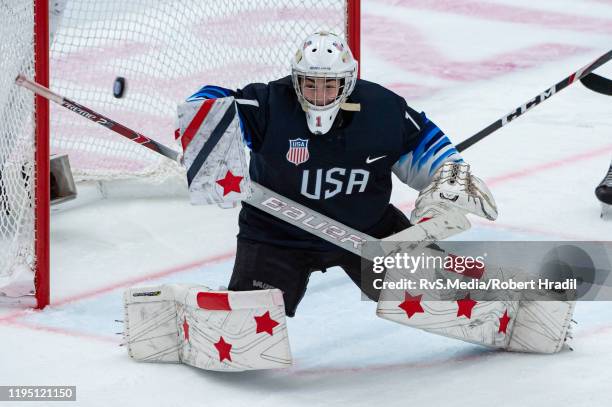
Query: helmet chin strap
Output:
(346,106)
(350,107)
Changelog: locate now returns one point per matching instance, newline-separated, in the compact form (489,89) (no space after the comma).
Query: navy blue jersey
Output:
(345,173)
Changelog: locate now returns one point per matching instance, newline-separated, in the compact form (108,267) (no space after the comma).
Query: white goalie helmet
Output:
(324,74)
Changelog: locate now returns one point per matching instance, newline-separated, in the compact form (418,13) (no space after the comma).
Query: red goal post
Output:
(164,50)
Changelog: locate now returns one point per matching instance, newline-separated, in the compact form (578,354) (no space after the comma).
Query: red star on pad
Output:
(503,322)
(186,329)
(265,323)
(465,307)
(224,350)
(230,183)
(411,305)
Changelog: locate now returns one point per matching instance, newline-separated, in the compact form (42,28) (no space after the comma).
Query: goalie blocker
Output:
(213,152)
(211,330)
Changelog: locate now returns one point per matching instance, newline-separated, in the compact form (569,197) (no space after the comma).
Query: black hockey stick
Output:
(579,74)
(598,84)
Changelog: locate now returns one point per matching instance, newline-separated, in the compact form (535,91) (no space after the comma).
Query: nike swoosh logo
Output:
(371,160)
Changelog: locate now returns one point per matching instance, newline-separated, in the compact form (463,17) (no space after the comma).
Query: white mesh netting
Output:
(165,49)
(16,150)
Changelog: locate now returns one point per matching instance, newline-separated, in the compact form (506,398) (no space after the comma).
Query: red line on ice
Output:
(530,171)
(528,230)
(129,282)
(564,162)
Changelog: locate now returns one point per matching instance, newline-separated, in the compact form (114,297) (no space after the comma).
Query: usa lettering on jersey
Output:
(314,188)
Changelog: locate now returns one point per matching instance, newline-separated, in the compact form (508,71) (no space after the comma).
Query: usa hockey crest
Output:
(298,151)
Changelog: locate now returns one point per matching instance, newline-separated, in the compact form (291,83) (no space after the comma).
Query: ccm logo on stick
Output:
(533,102)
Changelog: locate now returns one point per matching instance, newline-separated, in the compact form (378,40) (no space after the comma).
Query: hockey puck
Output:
(119,87)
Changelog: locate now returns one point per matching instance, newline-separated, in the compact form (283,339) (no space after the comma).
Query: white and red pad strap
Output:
(212,330)
(510,323)
(213,151)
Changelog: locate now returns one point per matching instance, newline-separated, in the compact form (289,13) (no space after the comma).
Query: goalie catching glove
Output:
(441,208)
(454,189)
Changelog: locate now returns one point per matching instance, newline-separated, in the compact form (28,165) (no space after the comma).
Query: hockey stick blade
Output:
(598,84)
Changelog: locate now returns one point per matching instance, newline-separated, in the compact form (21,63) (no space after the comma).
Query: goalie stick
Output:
(262,197)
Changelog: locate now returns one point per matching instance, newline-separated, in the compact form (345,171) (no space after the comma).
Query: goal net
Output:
(164,50)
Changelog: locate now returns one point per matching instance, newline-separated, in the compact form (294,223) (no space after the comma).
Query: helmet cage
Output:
(346,83)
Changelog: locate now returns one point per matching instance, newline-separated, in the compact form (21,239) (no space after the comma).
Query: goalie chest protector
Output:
(344,174)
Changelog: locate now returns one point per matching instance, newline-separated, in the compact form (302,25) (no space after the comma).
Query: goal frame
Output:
(41,156)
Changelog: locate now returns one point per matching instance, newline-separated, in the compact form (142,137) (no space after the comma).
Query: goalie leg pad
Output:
(212,330)
(482,322)
(511,323)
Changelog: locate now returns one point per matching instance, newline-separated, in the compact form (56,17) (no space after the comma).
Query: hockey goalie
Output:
(331,142)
